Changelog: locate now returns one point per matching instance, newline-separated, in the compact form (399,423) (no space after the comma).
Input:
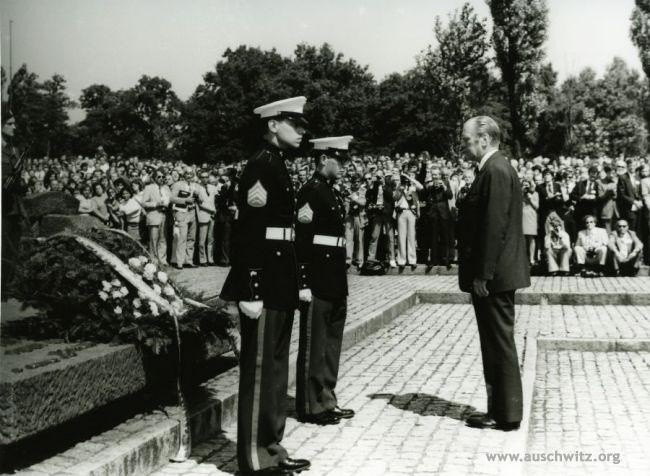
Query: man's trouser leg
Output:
(374,238)
(203,242)
(495,316)
(264,367)
(358,240)
(552,258)
(349,239)
(436,236)
(154,238)
(319,352)
(209,245)
(390,233)
(161,244)
(411,244)
(402,233)
(179,243)
(581,254)
(191,238)
(224,242)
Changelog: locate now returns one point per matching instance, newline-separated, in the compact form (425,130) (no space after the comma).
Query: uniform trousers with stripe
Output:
(319,352)
(263,370)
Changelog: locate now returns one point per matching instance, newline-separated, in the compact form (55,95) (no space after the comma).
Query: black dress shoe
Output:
(296,465)
(342,412)
(428,268)
(270,471)
(484,421)
(414,267)
(322,418)
(401,268)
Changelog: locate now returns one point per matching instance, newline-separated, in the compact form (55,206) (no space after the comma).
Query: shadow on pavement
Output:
(427,405)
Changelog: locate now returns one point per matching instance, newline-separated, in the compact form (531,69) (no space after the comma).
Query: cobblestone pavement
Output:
(592,406)
(208,281)
(414,382)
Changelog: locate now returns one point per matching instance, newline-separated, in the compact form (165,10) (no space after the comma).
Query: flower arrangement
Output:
(84,298)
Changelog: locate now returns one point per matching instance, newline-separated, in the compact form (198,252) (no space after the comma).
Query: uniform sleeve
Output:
(304,233)
(255,188)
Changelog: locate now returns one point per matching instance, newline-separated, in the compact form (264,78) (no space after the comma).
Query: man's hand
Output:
(252,309)
(480,287)
(305,295)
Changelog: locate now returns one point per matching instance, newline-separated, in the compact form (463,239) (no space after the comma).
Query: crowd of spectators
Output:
(580,216)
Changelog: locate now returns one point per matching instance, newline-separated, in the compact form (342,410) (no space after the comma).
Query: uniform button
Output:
(257,296)
(327,255)
(256,284)
(278,253)
(304,276)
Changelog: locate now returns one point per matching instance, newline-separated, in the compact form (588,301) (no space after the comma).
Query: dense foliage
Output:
(420,109)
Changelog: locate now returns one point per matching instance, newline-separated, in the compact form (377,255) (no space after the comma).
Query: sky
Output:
(114,42)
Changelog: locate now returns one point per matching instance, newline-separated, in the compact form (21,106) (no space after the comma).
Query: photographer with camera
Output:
(407,207)
(184,197)
(557,246)
(437,194)
(380,205)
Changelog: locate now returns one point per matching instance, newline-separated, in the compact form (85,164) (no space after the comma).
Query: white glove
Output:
(252,309)
(305,295)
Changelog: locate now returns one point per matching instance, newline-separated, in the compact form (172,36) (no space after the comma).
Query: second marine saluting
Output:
(320,245)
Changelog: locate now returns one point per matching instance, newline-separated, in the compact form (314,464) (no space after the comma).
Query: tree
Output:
(519,31)
(455,74)
(640,32)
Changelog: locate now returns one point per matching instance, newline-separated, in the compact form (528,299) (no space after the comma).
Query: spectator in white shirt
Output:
(626,250)
(591,248)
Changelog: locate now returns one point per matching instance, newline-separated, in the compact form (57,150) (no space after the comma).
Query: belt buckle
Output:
(288,231)
(340,241)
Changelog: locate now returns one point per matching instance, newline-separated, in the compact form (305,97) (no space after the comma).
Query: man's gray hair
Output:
(488,126)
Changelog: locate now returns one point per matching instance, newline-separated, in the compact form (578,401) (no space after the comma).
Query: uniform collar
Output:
(486,157)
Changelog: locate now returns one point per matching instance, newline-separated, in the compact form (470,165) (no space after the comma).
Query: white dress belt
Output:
(327,240)
(282,234)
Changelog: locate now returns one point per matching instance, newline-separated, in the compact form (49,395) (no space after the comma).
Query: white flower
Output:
(169,291)
(117,310)
(106,285)
(150,268)
(137,314)
(147,276)
(157,289)
(177,306)
(143,259)
(116,294)
(103,296)
(116,283)
(124,291)
(137,303)
(135,263)
(162,276)
(141,296)
(154,308)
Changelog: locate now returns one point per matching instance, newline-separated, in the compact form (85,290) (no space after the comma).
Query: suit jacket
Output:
(617,245)
(597,238)
(411,196)
(626,194)
(490,231)
(585,206)
(389,200)
(549,202)
(438,200)
(608,200)
(155,200)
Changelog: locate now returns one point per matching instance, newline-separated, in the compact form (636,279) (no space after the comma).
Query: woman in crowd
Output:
(557,246)
(531,206)
(130,210)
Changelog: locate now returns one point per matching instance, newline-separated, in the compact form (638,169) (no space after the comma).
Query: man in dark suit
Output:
(586,196)
(380,203)
(550,197)
(438,194)
(628,202)
(492,265)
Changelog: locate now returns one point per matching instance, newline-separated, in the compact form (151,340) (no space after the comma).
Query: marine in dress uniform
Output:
(492,265)
(321,249)
(263,280)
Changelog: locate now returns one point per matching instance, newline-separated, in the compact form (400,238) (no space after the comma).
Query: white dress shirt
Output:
(486,157)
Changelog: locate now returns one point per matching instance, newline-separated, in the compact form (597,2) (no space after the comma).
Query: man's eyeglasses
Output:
(621,226)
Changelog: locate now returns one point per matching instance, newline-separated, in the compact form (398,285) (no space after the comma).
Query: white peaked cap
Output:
(291,106)
(340,143)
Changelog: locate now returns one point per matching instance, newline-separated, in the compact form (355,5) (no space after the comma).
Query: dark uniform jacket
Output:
(264,269)
(322,268)
(490,232)
(585,206)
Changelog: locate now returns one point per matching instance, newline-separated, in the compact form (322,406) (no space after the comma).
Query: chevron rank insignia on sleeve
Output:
(257,195)
(305,214)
